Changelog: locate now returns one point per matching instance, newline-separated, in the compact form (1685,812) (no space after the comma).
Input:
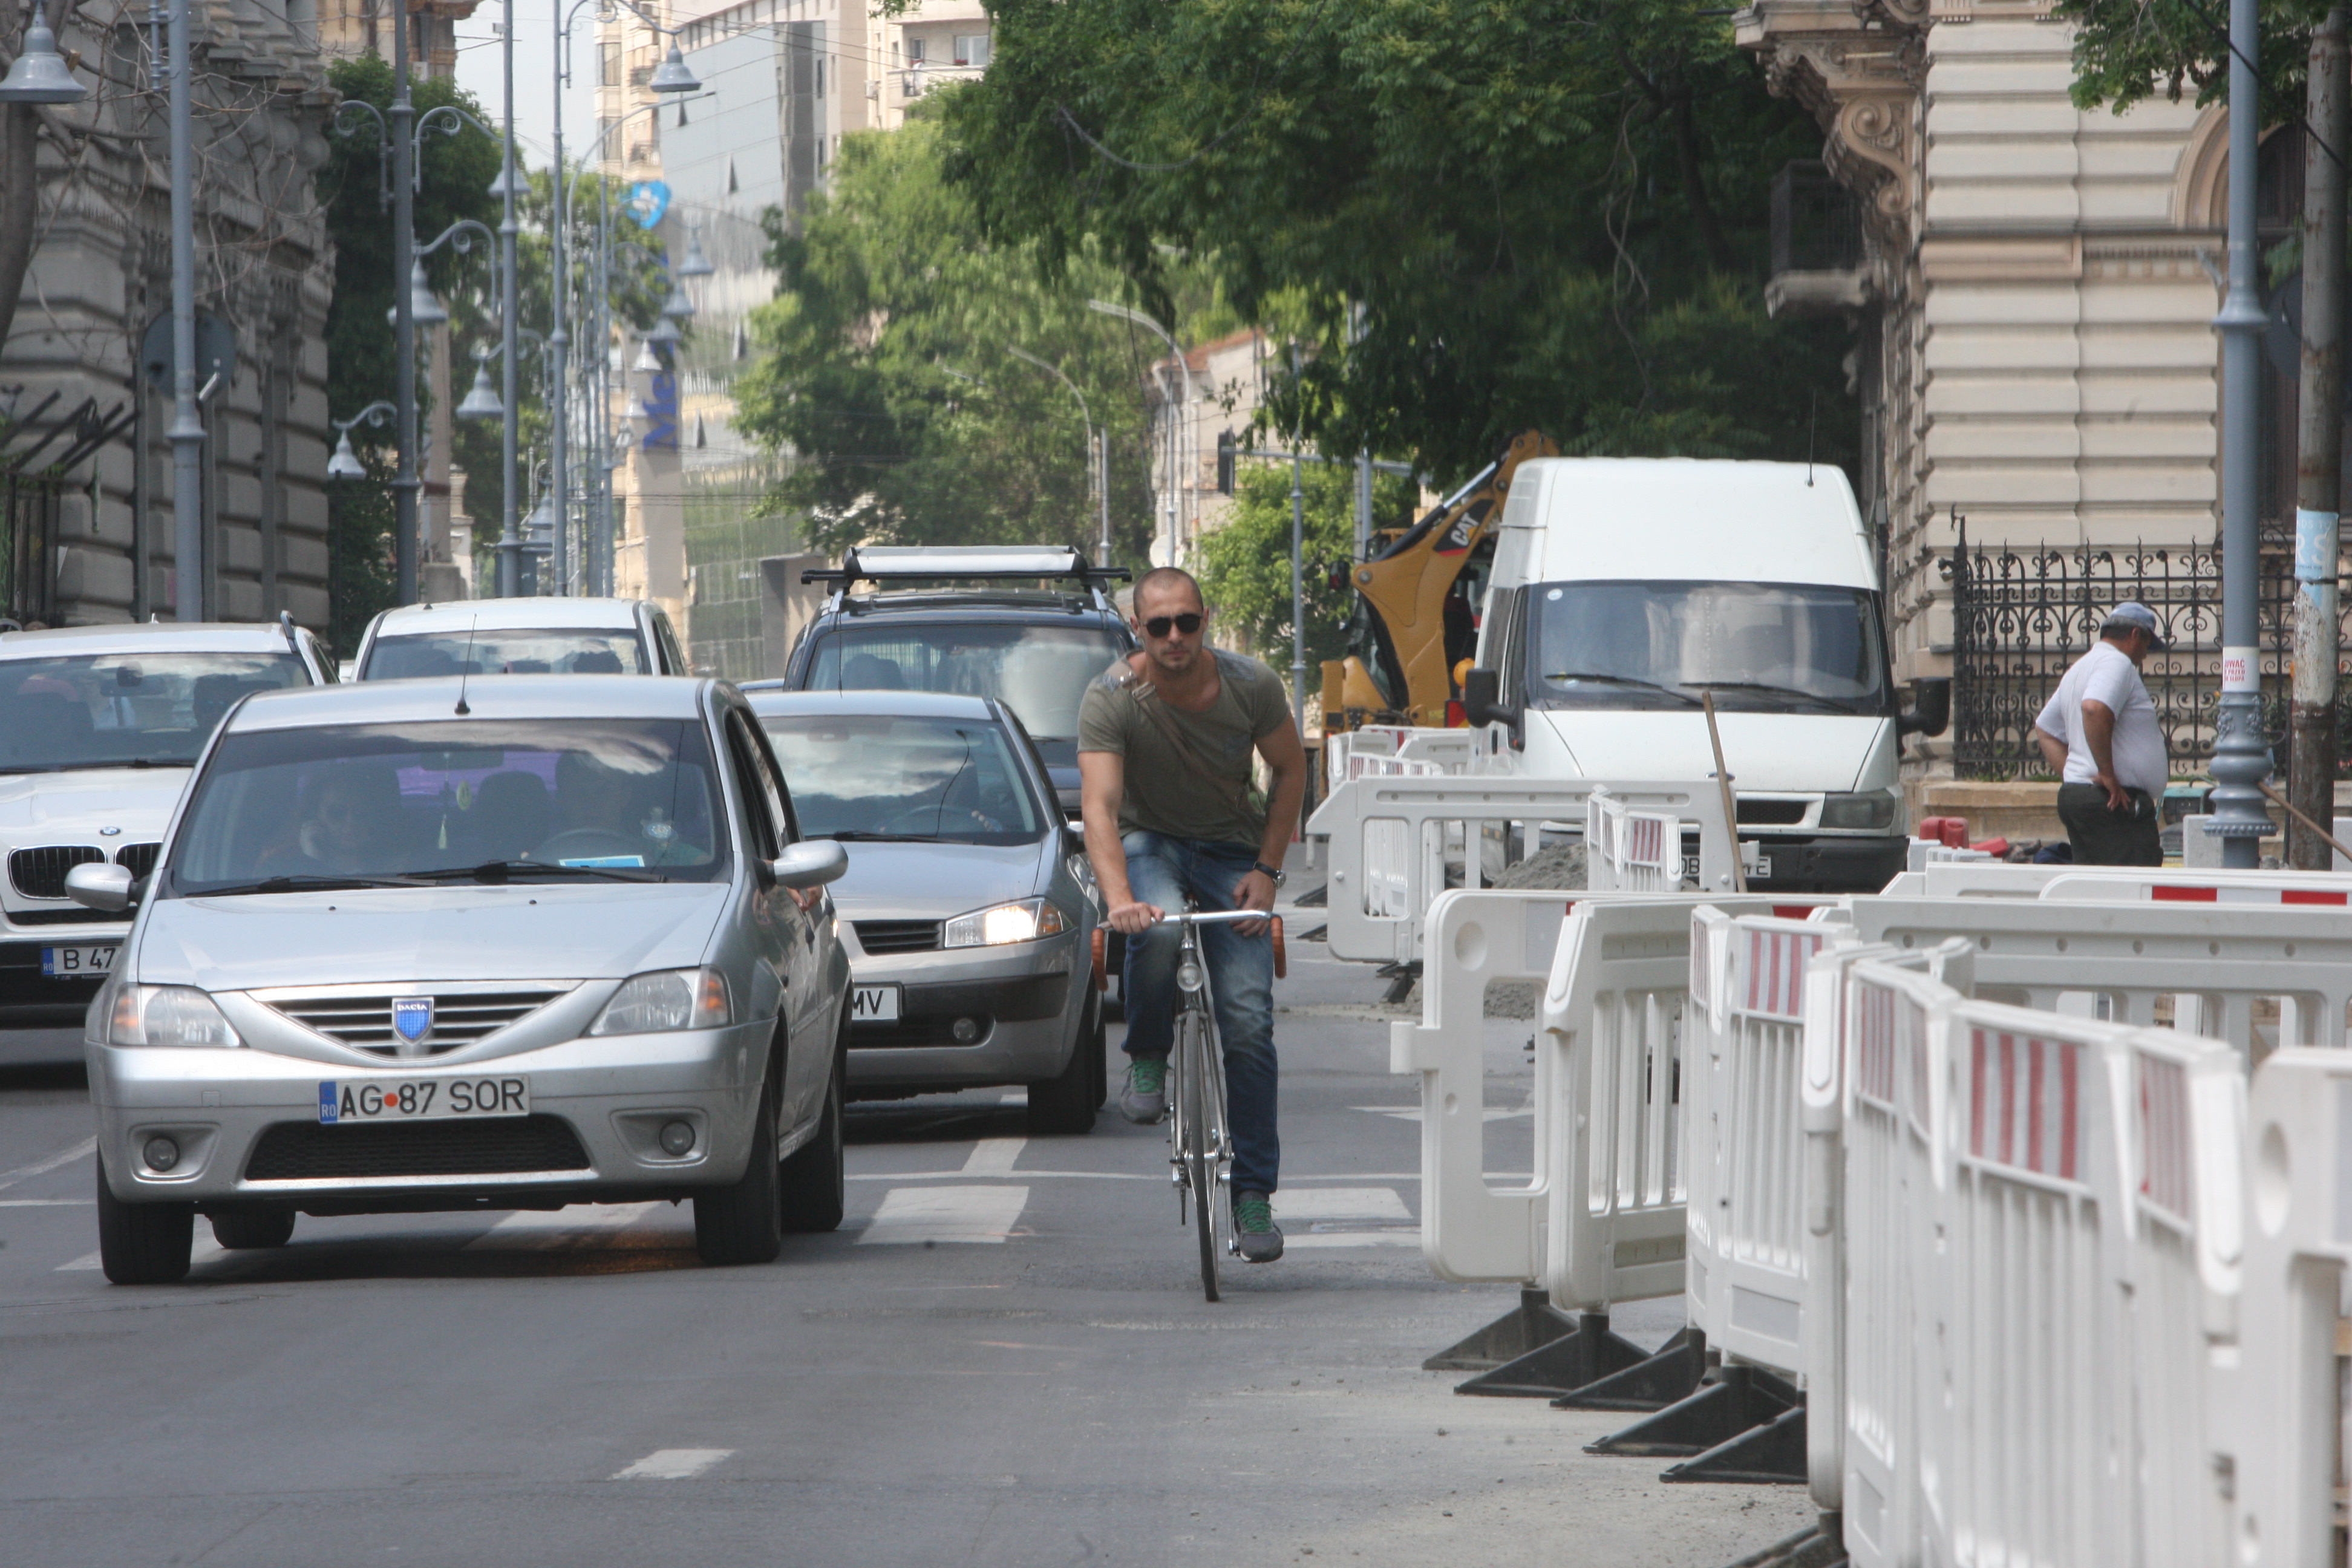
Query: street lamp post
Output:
(1175,458)
(345,464)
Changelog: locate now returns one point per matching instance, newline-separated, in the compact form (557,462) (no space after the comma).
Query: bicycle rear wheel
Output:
(1199,1151)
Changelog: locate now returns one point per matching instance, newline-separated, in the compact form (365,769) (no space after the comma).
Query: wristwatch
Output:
(1268,872)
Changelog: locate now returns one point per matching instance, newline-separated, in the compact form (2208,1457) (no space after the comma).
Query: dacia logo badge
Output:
(411,1018)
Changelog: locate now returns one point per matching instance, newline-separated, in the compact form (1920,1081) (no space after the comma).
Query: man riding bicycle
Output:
(1165,740)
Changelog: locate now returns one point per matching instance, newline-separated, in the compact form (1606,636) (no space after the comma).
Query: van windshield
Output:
(450,800)
(566,650)
(126,710)
(1039,672)
(1759,647)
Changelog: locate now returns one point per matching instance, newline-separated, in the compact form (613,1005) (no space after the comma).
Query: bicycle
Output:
(1200,1150)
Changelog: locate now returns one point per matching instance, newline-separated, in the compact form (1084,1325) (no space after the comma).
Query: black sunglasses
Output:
(1187,623)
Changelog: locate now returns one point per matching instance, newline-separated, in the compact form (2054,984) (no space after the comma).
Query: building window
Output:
(972,49)
(608,65)
(820,76)
(915,47)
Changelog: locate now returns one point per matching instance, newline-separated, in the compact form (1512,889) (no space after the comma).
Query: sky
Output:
(481,71)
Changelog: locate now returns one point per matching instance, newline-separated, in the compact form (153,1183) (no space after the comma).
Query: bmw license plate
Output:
(76,962)
(421,1100)
(874,1004)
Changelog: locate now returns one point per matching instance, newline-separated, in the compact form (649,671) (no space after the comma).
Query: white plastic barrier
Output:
(1925,852)
(1377,750)
(2187,885)
(1393,840)
(1631,850)
(2279,1425)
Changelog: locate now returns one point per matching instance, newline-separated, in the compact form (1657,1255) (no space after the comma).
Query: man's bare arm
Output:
(2053,750)
(1102,782)
(2099,735)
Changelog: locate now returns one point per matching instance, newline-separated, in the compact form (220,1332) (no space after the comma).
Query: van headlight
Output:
(1873,811)
(1025,921)
(666,1000)
(167,1015)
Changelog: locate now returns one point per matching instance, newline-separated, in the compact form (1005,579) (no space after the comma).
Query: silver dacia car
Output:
(415,945)
(970,905)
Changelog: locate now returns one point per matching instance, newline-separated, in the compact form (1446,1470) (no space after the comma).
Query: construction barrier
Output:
(1627,849)
(1399,750)
(1397,843)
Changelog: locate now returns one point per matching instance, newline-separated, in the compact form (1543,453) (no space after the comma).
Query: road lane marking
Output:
(1412,1112)
(1288,1182)
(994,1157)
(1342,1202)
(945,1213)
(46,1202)
(580,1225)
(1292,1243)
(673,1464)
(42,1167)
(202,1249)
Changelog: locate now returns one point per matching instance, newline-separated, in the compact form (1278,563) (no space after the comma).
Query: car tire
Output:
(1066,1103)
(262,1226)
(142,1243)
(815,1188)
(743,1221)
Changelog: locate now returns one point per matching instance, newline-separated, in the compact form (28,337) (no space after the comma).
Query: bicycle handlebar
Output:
(1213,917)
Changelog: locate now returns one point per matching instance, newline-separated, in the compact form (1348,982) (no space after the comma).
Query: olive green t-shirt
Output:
(1165,792)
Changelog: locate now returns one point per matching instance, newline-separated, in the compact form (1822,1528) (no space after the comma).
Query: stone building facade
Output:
(2033,292)
(94,543)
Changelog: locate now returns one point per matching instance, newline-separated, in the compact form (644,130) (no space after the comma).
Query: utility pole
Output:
(509,535)
(559,342)
(404,331)
(187,432)
(2240,761)
(1297,573)
(2311,775)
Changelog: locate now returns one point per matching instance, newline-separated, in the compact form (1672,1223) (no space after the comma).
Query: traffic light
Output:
(1225,448)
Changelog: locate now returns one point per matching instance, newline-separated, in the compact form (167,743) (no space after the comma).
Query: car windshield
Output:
(1759,646)
(126,710)
(563,650)
(1039,671)
(891,777)
(537,799)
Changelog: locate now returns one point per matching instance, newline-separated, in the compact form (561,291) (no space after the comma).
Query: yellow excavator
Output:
(1416,617)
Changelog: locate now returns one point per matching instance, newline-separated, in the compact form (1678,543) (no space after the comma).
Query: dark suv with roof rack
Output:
(953,620)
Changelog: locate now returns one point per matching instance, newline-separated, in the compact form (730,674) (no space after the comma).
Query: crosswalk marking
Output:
(580,1225)
(1412,1112)
(993,1156)
(1293,1241)
(1340,1203)
(673,1464)
(945,1213)
(202,1250)
(42,1167)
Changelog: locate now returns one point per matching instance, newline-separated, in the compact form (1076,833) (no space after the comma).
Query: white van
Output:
(1624,588)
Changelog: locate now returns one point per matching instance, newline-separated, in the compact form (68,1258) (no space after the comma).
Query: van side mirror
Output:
(810,863)
(98,886)
(1482,697)
(1931,707)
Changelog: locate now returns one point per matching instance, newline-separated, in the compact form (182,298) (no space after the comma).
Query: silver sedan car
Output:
(969,905)
(413,946)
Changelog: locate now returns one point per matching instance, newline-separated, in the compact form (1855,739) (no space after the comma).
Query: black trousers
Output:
(2105,838)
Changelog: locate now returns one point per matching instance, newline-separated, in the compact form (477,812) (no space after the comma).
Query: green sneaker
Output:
(1144,1100)
(1255,1232)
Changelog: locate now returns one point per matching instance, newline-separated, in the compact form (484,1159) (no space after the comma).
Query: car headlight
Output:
(1025,921)
(167,1015)
(1875,811)
(664,1000)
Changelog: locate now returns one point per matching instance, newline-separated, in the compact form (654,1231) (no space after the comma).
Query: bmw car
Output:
(968,906)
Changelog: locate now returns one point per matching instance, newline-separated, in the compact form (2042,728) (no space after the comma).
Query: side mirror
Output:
(810,863)
(1931,709)
(1482,697)
(98,885)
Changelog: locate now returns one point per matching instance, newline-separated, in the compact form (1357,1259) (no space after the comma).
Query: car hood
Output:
(935,880)
(396,934)
(1765,751)
(43,807)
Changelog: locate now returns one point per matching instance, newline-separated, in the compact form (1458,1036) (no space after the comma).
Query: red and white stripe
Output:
(1874,1042)
(2184,893)
(2025,1102)
(1776,970)
(1645,840)
(1702,983)
(2167,1168)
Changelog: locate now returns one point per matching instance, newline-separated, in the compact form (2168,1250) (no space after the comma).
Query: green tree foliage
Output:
(2127,50)
(457,173)
(1244,566)
(885,367)
(1553,213)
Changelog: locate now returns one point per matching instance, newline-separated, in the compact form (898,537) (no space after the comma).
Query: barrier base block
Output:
(1769,1455)
(1823,1546)
(1585,1354)
(1401,979)
(1733,1401)
(1532,1324)
(1673,1371)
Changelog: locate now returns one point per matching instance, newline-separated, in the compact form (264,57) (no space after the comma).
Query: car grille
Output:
(1772,812)
(73,917)
(504,1146)
(898,936)
(139,859)
(459,1018)
(41,873)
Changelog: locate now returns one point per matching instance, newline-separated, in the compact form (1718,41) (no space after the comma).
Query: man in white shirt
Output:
(2099,731)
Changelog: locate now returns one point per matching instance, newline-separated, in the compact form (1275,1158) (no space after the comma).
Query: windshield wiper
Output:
(1776,690)
(855,837)
(495,872)
(92,763)
(303,883)
(1624,681)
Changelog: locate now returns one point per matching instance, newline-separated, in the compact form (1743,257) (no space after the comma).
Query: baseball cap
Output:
(2132,614)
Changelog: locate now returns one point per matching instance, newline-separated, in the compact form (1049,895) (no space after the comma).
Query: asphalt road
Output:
(1002,1358)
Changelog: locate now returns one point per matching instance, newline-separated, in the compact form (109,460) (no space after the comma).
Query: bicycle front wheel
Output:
(1196,1085)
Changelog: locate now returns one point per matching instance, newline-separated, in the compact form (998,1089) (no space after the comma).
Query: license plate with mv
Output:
(77,962)
(874,1004)
(421,1100)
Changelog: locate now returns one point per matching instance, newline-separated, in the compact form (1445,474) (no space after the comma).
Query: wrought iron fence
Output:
(2022,614)
(28,586)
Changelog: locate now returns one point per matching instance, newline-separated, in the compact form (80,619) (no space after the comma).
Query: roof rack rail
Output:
(976,563)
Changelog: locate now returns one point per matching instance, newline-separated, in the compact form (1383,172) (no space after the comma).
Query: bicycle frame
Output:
(1200,1141)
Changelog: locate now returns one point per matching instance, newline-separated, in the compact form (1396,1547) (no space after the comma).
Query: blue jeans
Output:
(1163,870)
